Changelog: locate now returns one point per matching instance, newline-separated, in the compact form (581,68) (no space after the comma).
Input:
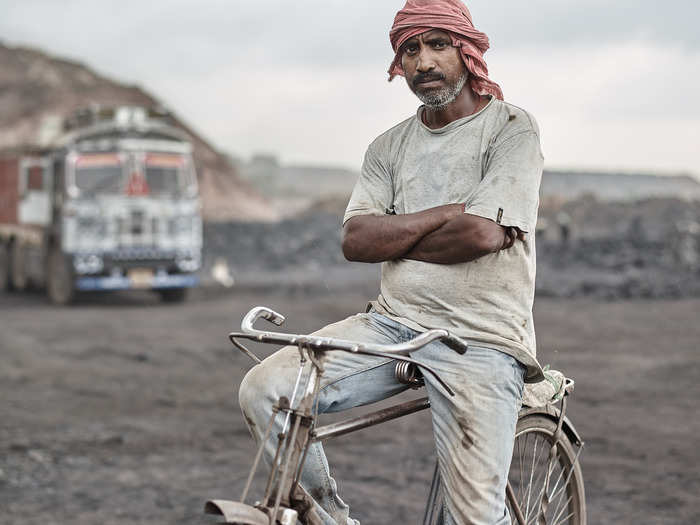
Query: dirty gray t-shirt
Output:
(492,162)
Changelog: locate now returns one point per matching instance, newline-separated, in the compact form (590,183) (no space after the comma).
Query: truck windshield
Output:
(99,173)
(166,174)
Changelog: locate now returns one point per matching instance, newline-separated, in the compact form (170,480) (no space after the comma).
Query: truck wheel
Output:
(173,295)
(18,271)
(4,267)
(60,286)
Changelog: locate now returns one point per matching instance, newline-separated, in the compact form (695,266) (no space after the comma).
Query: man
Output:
(447,202)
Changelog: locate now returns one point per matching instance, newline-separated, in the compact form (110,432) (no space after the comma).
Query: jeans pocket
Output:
(519,371)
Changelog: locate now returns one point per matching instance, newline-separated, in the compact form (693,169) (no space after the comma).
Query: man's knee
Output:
(251,391)
(266,381)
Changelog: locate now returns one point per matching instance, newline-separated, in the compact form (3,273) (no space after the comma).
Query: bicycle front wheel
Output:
(546,483)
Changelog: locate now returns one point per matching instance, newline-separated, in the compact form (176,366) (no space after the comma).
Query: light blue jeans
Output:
(473,430)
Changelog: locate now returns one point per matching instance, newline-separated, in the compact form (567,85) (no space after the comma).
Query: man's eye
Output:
(440,45)
(411,50)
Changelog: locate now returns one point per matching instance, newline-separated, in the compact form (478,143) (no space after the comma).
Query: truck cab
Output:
(112,205)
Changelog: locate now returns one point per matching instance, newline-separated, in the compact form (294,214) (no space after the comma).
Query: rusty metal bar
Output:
(259,454)
(514,505)
(371,419)
(432,510)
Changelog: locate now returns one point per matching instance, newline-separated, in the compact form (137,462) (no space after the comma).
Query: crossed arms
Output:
(442,235)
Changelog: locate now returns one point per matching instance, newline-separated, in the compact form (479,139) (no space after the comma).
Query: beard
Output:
(437,99)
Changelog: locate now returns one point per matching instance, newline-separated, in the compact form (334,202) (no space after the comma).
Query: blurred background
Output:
(231,184)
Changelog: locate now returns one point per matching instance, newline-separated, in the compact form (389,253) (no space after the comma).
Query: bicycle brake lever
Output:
(246,351)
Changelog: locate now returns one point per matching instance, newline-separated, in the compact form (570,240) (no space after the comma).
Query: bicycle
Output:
(545,486)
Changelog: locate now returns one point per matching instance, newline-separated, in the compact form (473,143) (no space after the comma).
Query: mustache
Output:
(421,78)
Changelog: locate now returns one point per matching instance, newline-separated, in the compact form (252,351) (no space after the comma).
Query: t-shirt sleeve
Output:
(373,193)
(509,190)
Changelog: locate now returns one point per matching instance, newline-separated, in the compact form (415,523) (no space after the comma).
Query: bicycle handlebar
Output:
(328,343)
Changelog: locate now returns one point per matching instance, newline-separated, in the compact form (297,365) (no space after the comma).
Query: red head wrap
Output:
(419,16)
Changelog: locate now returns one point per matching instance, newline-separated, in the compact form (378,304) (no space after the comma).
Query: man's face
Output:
(434,68)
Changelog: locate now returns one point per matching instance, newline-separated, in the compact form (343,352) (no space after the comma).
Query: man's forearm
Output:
(462,239)
(372,238)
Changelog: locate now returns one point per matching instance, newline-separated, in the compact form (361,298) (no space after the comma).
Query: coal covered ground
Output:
(120,409)
(123,410)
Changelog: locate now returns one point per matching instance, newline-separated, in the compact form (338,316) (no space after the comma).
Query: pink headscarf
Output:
(419,16)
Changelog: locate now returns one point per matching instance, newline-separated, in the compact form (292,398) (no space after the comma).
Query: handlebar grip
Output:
(456,344)
(273,317)
(260,311)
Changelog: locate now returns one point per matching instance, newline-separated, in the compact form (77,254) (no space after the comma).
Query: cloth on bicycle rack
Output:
(419,16)
(550,390)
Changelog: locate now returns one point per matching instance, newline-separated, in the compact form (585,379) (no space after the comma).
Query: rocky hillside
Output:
(37,89)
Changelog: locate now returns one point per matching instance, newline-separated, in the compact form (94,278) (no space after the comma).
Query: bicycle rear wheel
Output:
(559,498)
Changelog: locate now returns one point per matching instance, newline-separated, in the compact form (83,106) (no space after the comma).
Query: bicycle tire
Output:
(534,437)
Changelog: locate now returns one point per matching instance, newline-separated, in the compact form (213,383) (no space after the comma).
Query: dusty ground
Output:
(123,410)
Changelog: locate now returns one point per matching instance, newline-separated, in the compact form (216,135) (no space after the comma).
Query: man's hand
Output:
(511,234)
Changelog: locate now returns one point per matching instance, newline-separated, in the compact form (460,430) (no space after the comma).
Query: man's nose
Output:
(426,61)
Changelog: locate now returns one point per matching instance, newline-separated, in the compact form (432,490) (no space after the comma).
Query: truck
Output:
(111,203)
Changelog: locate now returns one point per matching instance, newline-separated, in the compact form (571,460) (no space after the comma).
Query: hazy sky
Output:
(612,86)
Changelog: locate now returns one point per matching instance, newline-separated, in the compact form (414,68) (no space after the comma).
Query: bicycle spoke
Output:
(520,454)
(539,497)
(566,506)
(529,487)
(544,471)
(563,490)
(557,493)
(571,471)
(556,513)
(565,518)
(553,490)
(522,458)
(541,476)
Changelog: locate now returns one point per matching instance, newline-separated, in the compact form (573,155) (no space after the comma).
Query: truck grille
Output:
(138,253)
(137,222)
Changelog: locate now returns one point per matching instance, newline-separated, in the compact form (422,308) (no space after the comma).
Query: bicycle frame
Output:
(284,500)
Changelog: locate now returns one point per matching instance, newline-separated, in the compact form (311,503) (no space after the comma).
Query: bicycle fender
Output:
(236,512)
(553,413)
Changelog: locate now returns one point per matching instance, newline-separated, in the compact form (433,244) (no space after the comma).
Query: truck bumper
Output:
(157,282)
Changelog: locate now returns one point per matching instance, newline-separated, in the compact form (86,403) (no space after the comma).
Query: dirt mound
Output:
(37,91)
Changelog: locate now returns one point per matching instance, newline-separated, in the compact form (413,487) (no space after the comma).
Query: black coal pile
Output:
(620,250)
(648,249)
(619,268)
(305,242)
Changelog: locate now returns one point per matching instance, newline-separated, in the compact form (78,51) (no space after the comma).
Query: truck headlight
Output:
(88,263)
(187,262)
